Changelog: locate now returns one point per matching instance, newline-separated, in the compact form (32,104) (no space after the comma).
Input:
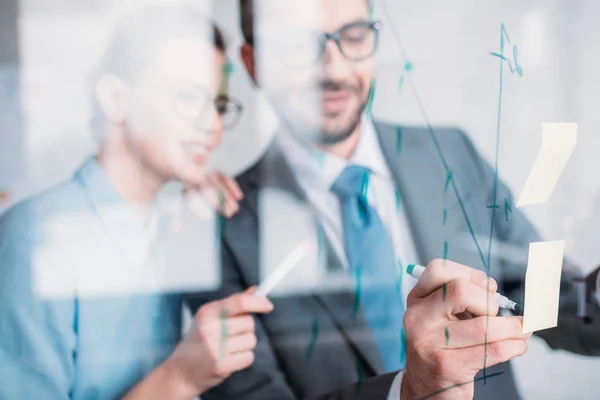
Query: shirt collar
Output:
(97,186)
(120,218)
(313,167)
(104,196)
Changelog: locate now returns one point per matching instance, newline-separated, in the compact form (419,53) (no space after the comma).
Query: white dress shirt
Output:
(316,171)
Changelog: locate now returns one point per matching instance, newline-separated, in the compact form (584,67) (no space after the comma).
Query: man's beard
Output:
(315,134)
(334,137)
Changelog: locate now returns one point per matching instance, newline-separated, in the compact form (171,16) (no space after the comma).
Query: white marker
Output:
(283,269)
(416,270)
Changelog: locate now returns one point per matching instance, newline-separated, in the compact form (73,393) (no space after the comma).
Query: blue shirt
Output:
(72,323)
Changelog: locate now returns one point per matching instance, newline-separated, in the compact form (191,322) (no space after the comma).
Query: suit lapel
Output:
(349,319)
(353,326)
(420,180)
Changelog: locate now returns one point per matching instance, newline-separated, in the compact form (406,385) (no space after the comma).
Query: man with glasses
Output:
(376,210)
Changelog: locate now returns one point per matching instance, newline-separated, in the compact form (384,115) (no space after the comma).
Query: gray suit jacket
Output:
(287,365)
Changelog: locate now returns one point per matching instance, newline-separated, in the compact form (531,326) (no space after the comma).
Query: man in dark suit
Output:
(371,198)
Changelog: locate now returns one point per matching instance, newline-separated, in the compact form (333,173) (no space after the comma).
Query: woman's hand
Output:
(220,342)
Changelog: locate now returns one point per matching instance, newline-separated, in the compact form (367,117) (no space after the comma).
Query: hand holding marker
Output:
(416,270)
(300,251)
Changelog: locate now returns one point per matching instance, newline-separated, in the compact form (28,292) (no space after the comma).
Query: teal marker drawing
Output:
(450,184)
(362,205)
(507,208)
(318,155)
(456,385)
(400,82)
(430,129)
(408,66)
(399,280)
(314,336)
(402,348)
(370,101)
(447,334)
(449,178)
(445,250)
(398,140)
(364,189)
(504,39)
(444,217)
(222,201)
(320,159)
(320,242)
(220,218)
(397,193)
(359,374)
(444,292)
(357,293)
(228,69)
(224,333)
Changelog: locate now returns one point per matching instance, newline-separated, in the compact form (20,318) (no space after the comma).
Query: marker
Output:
(282,270)
(417,270)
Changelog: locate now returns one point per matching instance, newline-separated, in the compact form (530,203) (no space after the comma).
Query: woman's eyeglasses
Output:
(191,104)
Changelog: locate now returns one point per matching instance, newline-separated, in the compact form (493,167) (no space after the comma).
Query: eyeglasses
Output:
(356,41)
(229,109)
(191,104)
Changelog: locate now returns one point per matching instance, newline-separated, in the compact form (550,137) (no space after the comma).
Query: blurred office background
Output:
(48,47)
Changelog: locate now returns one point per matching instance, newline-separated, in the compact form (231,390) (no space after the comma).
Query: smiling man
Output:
(372,212)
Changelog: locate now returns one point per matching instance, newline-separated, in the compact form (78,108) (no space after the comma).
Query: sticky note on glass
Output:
(558,143)
(542,285)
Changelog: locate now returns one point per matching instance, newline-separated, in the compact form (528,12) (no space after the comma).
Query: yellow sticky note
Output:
(542,285)
(558,143)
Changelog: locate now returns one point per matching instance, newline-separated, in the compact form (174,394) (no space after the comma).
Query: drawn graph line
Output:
(450,181)
(314,336)
(360,375)
(399,279)
(494,206)
(357,292)
(429,396)
(494,195)
(507,209)
(432,134)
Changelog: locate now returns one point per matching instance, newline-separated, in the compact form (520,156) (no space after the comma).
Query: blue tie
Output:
(371,258)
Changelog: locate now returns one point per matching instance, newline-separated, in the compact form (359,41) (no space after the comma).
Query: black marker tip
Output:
(519,310)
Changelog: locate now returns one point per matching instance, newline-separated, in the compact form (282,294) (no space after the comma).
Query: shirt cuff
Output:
(394,393)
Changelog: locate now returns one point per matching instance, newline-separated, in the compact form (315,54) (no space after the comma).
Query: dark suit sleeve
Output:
(377,388)
(572,333)
(264,379)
